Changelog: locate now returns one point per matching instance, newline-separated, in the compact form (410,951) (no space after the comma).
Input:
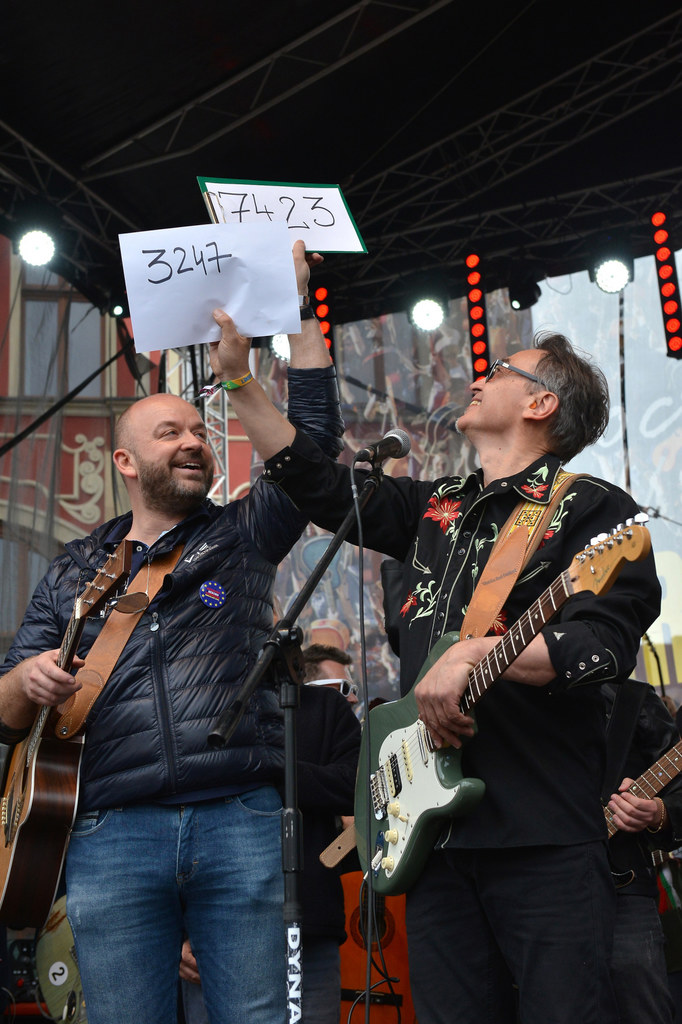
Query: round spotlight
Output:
(612,275)
(37,248)
(280,347)
(427,314)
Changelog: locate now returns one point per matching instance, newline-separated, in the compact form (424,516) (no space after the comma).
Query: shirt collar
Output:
(534,483)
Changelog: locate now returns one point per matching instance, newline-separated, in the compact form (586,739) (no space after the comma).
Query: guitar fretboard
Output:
(652,781)
(501,656)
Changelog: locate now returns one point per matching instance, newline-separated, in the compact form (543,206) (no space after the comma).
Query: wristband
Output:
(307,313)
(664,816)
(239,382)
(303,300)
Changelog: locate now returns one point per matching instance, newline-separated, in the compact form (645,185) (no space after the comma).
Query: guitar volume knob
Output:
(391,835)
(387,863)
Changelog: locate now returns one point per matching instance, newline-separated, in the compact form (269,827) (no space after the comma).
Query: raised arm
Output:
(268,430)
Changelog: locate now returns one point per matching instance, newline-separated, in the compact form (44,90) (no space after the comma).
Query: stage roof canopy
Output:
(524,132)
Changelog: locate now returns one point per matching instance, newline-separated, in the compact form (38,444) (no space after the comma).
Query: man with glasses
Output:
(517,895)
(326,665)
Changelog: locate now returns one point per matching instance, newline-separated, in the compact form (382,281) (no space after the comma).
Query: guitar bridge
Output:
(379,792)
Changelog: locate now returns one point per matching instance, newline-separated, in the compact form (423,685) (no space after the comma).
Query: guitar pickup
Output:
(393,777)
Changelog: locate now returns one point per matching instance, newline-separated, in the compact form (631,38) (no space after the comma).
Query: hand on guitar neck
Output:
(631,813)
(440,691)
(36,681)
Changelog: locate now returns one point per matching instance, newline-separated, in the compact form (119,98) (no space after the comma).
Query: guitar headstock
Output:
(597,566)
(116,567)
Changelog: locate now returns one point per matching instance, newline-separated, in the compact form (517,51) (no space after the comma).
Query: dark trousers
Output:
(638,971)
(480,922)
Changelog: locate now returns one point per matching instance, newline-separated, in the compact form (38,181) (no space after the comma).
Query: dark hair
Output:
(580,386)
(316,653)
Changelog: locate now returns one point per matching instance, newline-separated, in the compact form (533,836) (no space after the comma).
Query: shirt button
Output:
(503,484)
(441,615)
(595,657)
(582,665)
(467,533)
(461,551)
(568,675)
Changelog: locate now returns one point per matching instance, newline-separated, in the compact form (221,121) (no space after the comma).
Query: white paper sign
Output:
(316,213)
(176,277)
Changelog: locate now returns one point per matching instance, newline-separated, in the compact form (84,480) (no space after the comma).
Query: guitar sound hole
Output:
(383,925)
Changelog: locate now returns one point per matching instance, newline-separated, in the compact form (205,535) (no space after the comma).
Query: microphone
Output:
(393,445)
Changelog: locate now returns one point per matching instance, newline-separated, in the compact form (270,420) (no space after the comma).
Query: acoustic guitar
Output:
(390,996)
(407,785)
(40,793)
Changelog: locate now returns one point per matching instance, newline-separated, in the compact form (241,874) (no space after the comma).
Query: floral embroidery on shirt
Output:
(557,519)
(535,492)
(534,487)
(443,510)
(423,599)
(499,626)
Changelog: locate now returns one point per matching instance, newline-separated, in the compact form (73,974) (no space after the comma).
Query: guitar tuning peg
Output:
(641,517)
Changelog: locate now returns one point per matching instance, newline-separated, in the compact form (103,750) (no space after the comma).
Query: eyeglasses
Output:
(346,686)
(500,364)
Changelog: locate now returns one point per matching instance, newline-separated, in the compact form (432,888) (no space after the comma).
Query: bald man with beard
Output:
(173,838)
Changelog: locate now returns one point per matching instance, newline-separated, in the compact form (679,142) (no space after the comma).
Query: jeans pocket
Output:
(264,801)
(89,822)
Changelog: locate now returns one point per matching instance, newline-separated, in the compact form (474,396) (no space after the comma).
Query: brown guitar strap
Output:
(517,541)
(107,648)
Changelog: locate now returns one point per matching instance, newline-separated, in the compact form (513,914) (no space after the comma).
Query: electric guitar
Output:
(652,781)
(406,786)
(40,794)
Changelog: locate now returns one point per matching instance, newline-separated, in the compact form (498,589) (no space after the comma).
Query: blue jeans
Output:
(640,979)
(320,992)
(139,877)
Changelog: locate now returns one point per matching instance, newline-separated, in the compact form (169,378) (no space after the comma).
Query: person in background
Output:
(639,732)
(326,665)
(173,837)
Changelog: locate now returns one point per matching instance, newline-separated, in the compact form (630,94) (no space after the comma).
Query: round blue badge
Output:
(212,594)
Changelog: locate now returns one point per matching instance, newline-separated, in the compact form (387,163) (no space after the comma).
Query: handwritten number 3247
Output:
(183,264)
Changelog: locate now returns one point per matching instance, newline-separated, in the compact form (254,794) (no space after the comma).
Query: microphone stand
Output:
(283,648)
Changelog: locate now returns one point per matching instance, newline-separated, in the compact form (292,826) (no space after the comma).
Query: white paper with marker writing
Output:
(176,277)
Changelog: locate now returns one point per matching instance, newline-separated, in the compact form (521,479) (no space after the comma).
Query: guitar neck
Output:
(501,656)
(72,637)
(652,781)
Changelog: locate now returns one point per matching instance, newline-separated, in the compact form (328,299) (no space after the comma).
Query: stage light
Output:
(478,322)
(323,314)
(37,227)
(280,347)
(36,247)
(612,275)
(613,267)
(524,294)
(668,286)
(119,307)
(427,314)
